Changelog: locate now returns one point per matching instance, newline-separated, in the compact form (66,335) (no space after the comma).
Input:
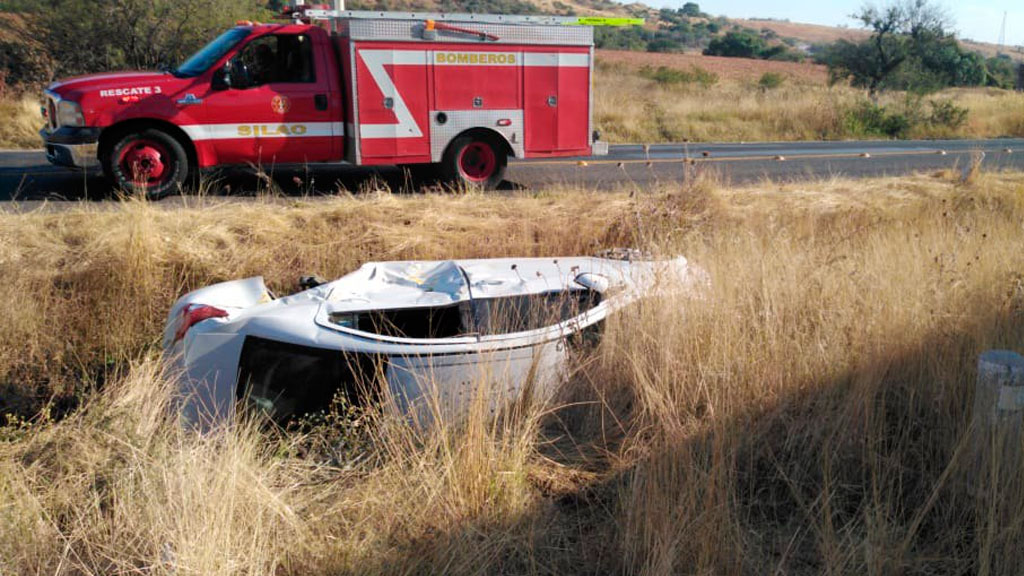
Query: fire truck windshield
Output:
(201,61)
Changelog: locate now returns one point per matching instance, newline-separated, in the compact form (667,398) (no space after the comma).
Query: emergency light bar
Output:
(607,21)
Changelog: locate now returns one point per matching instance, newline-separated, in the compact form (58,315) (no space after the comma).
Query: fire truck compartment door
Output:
(556,101)
(392,103)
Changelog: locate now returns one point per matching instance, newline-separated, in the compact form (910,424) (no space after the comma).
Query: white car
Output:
(434,329)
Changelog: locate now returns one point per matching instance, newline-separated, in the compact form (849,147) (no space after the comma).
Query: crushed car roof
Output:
(434,283)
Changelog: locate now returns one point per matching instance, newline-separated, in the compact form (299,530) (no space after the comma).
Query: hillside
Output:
(819,34)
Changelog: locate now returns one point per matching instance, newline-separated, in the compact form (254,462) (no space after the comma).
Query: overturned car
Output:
(432,329)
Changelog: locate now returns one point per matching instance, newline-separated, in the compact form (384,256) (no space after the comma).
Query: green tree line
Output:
(56,38)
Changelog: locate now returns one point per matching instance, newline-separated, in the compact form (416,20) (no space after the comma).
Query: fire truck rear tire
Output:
(147,161)
(474,161)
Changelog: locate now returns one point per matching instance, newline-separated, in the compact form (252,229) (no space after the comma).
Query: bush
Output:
(898,121)
(664,45)
(23,66)
(868,118)
(947,114)
(705,78)
(736,45)
(666,76)
(770,81)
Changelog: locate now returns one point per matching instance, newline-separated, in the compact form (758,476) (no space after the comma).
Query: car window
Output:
(279,59)
(480,316)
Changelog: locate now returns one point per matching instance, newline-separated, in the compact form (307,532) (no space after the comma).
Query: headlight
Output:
(69,114)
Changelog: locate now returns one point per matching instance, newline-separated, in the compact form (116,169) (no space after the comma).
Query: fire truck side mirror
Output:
(234,74)
(222,77)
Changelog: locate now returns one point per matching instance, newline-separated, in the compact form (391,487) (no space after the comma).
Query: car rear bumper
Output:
(72,147)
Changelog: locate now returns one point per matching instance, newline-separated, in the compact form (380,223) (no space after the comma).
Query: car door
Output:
(277,107)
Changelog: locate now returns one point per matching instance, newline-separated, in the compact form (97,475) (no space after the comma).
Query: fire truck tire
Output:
(148,161)
(474,161)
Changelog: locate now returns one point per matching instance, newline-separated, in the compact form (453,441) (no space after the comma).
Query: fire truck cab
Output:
(462,92)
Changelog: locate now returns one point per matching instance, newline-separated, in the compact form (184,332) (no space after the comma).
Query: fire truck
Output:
(458,92)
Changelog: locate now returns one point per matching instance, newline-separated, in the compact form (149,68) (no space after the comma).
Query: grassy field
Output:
(704,98)
(809,414)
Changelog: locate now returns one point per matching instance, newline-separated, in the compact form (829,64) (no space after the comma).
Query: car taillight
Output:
(194,313)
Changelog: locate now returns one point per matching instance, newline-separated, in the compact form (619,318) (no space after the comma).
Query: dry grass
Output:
(632,108)
(727,69)
(23,122)
(808,416)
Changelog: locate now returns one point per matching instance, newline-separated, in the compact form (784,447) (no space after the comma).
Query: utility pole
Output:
(1002,33)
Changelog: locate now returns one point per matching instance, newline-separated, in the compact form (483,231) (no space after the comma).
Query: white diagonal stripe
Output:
(375,61)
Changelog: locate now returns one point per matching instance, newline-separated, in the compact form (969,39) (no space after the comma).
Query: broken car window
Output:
(483,316)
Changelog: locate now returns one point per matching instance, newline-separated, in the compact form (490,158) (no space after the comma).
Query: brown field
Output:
(809,413)
(728,69)
(810,33)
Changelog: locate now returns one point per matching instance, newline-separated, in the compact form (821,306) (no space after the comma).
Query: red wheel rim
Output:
(146,162)
(477,162)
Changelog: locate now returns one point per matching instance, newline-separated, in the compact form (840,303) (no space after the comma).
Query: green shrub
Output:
(665,76)
(770,81)
(24,66)
(705,78)
(870,119)
(736,44)
(947,114)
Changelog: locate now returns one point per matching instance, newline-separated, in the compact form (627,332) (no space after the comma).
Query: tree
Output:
(736,44)
(911,48)
(691,9)
(85,36)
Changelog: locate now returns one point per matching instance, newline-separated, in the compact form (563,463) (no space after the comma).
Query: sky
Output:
(976,20)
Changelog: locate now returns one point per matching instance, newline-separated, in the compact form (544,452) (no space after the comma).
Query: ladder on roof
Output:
(441,17)
(300,11)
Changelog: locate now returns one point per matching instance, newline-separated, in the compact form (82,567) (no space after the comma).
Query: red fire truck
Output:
(460,91)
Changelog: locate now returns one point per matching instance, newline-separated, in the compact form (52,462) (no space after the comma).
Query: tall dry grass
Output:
(22,122)
(630,107)
(808,414)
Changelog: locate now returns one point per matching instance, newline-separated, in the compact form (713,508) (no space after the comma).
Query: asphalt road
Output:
(26,179)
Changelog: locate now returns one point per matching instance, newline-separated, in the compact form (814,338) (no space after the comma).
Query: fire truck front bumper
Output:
(72,147)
